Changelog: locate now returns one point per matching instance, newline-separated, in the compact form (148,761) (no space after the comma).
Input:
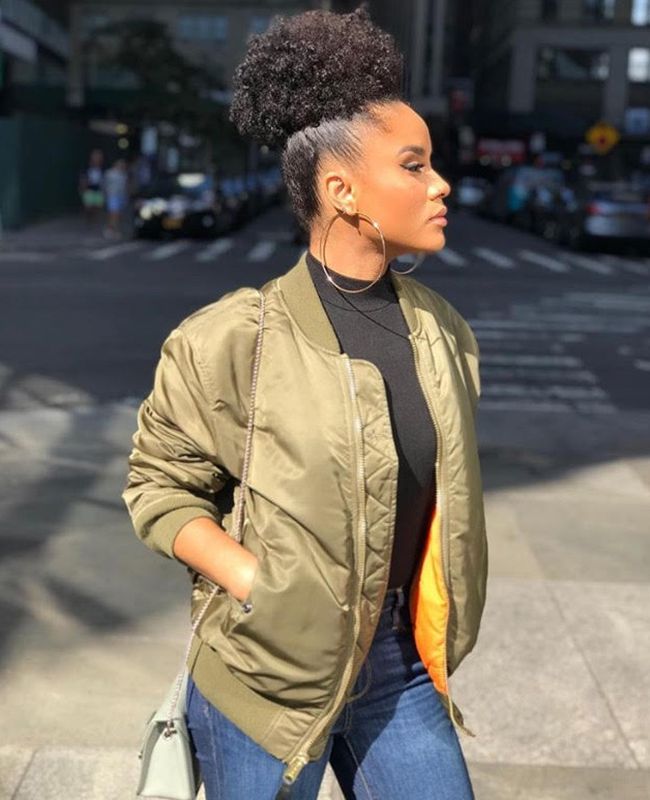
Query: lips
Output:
(442,213)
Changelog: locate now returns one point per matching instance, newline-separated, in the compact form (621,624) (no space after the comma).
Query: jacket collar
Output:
(305,306)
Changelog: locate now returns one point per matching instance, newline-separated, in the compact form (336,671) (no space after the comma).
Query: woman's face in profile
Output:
(398,186)
(395,183)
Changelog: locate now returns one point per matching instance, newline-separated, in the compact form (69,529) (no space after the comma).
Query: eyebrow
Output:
(415,148)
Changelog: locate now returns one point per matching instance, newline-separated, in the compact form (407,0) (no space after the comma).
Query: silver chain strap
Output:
(236,535)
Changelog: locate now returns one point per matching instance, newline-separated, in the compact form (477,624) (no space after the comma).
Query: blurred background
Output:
(127,200)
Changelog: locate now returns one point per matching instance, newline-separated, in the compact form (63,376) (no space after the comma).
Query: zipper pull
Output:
(294,769)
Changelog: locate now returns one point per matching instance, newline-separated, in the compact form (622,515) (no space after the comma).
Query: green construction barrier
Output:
(40,163)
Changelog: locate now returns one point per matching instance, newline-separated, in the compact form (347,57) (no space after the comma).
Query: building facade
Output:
(34,50)
(566,63)
(210,33)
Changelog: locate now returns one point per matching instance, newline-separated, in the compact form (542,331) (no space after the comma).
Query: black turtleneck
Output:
(370,325)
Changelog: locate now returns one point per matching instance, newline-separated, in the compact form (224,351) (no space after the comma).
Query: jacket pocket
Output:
(289,644)
(245,606)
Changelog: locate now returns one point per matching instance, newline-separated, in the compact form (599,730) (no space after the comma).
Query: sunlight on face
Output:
(396,184)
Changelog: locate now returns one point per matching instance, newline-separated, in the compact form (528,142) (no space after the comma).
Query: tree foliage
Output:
(171,87)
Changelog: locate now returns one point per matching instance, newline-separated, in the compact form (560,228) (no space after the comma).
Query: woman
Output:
(91,185)
(116,182)
(359,583)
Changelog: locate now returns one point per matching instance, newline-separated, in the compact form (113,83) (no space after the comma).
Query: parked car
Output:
(596,211)
(469,192)
(508,201)
(186,204)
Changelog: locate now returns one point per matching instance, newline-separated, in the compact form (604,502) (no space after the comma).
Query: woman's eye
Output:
(414,167)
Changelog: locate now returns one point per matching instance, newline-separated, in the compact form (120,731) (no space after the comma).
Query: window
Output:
(572,65)
(203,27)
(259,23)
(549,10)
(638,65)
(599,10)
(640,12)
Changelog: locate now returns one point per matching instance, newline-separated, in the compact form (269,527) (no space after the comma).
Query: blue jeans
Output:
(393,740)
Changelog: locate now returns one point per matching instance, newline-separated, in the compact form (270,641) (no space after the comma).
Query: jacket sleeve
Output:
(469,353)
(173,471)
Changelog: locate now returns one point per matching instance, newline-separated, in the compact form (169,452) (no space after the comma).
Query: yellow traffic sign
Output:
(602,137)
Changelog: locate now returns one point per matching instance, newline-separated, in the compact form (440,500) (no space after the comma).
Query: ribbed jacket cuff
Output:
(163,532)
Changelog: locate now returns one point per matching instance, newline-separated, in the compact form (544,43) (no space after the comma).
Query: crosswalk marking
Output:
(631,266)
(114,250)
(534,406)
(215,250)
(18,255)
(167,250)
(543,261)
(262,251)
(451,257)
(498,259)
(531,359)
(591,264)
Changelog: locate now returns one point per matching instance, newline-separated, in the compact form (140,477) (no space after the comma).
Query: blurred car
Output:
(470,192)
(596,211)
(186,204)
(509,199)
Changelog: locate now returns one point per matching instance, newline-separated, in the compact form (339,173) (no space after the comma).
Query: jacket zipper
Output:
(445,558)
(297,762)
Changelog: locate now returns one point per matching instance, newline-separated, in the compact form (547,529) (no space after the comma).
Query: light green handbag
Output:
(169,768)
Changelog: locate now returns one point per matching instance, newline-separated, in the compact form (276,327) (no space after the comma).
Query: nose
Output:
(439,187)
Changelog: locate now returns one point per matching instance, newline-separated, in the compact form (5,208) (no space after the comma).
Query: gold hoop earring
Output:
(375,225)
(419,260)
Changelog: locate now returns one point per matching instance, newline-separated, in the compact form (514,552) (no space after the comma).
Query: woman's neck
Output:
(350,253)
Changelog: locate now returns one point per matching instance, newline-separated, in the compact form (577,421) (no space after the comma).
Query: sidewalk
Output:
(54,235)
(557,688)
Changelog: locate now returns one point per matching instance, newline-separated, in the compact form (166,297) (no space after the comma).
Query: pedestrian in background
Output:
(116,187)
(359,582)
(91,186)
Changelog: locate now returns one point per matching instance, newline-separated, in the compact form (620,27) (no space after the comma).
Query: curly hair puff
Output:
(303,81)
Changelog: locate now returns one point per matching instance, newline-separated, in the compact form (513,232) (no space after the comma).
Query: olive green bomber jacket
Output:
(319,505)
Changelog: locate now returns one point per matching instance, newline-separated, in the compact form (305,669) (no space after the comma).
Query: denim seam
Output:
(211,737)
(359,768)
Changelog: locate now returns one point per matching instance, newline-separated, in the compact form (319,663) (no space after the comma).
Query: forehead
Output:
(401,126)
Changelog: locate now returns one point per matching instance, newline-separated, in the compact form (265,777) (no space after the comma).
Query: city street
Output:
(93,625)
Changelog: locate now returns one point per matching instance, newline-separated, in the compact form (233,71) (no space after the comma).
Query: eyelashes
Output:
(415,167)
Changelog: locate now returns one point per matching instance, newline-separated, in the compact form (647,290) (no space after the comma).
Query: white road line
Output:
(506,373)
(167,250)
(543,261)
(213,251)
(546,392)
(493,257)
(631,266)
(451,257)
(529,406)
(614,302)
(32,258)
(591,264)
(114,250)
(530,359)
(262,251)
(548,324)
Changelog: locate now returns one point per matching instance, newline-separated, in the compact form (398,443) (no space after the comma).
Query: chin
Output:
(439,243)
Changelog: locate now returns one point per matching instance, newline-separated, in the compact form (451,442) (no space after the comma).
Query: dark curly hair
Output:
(301,83)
